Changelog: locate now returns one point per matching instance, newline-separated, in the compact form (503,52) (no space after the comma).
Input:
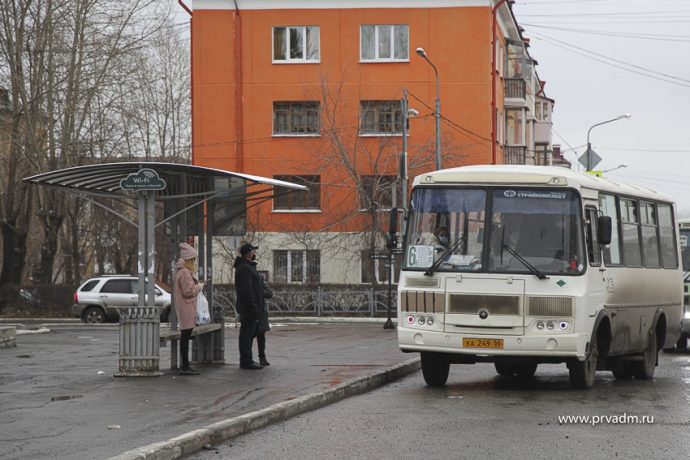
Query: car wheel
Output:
(94,315)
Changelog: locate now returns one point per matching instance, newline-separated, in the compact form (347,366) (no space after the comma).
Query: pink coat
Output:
(185,290)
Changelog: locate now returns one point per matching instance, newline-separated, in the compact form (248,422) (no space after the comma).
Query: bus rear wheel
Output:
(582,373)
(644,370)
(435,368)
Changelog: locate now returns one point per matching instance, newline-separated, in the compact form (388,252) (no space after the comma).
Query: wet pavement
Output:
(59,398)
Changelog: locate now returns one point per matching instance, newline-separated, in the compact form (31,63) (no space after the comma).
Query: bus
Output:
(542,265)
(684,231)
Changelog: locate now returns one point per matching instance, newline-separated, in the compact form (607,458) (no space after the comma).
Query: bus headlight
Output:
(550,325)
(430,321)
(687,314)
(540,325)
(421,320)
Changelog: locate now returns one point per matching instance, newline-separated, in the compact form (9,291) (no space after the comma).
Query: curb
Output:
(224,430)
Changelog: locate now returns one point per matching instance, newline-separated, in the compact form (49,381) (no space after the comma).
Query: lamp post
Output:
(422,53)
(613,169)
(589,163)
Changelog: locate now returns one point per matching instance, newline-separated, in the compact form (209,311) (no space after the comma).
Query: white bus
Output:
(542,265)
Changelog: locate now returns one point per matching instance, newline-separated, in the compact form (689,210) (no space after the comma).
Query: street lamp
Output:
(589,153)
(613,169)
(422,53)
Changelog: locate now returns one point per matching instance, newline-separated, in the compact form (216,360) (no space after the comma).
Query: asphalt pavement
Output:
(59,397)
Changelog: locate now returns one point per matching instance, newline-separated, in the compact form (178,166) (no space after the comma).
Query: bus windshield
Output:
(496,230)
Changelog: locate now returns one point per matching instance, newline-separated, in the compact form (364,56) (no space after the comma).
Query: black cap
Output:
(247,248)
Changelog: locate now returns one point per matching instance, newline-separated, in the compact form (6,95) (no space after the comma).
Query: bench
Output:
(208,346)
(167,335)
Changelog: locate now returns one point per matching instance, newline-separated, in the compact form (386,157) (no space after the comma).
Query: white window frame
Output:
(377,53)
(288,59)
(305,268)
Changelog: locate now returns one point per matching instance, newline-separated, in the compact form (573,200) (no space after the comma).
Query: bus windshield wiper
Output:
(430,271)
(524,262)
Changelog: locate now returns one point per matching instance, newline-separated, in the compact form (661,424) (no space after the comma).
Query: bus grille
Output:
(425,282)
(550,306)
(495,304)
(422,302)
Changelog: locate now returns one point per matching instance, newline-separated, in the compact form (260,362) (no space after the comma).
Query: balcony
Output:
(515,88)
(514,155)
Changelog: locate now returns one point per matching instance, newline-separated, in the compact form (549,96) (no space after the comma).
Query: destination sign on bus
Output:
(535,194)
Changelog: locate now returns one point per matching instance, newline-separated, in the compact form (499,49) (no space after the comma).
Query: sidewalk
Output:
(59,398)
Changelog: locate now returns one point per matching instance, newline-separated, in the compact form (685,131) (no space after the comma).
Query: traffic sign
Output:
(589,159)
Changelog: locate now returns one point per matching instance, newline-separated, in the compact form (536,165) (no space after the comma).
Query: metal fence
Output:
(318,301)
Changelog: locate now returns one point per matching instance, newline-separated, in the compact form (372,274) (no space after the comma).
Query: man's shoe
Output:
(263,362)
(252,365)
(189,371)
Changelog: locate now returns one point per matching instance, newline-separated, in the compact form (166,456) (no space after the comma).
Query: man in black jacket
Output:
(249,302)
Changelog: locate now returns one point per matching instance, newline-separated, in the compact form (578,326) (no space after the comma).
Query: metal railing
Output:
(515,88)
(319,301)
(514,155)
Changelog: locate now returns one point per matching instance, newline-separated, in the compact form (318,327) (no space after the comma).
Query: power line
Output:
(657,37)
(669,78)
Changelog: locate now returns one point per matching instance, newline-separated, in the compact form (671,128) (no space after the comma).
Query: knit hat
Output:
(247,248)
(187,252)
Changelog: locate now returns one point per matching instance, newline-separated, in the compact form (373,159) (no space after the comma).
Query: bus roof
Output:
(554,176)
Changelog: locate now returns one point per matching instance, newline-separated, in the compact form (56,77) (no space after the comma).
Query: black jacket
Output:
(248,286)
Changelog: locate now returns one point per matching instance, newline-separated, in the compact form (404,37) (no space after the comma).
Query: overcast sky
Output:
(604,58)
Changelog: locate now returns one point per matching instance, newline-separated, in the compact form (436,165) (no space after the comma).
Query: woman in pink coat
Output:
(185,289)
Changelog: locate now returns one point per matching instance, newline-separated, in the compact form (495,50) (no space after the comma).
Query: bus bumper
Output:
(548,346)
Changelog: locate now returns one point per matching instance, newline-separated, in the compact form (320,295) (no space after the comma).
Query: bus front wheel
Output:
(582,372)
(435,368)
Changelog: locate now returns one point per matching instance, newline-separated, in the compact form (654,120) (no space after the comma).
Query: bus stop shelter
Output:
(196,201)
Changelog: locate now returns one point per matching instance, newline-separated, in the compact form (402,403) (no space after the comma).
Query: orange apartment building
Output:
(310,92)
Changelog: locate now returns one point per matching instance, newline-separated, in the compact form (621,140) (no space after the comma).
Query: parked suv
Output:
(94,301)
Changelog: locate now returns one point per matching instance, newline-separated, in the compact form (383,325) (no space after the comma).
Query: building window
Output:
(380,117)
(287,199)
(297,266)
(515,131)
(296,44)
(375,269)
(384,43)
(296,118)
(377,192)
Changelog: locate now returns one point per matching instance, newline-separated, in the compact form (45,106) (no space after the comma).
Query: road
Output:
(481,415)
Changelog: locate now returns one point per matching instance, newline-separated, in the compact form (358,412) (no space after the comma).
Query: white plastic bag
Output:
(202,314)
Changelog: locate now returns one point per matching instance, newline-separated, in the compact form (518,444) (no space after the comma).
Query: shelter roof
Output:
(181,180)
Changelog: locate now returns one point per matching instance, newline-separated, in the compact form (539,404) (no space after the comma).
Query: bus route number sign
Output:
(420,256)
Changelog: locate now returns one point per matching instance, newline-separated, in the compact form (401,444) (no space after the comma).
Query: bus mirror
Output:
(604,230)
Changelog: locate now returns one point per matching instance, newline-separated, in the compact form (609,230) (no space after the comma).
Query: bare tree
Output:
(84,76)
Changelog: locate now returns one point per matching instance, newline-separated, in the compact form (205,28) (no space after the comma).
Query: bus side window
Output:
(593,250)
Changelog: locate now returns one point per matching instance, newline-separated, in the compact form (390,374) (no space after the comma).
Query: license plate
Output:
(472,342)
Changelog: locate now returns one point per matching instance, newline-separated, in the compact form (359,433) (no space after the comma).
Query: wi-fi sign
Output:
(144,179)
